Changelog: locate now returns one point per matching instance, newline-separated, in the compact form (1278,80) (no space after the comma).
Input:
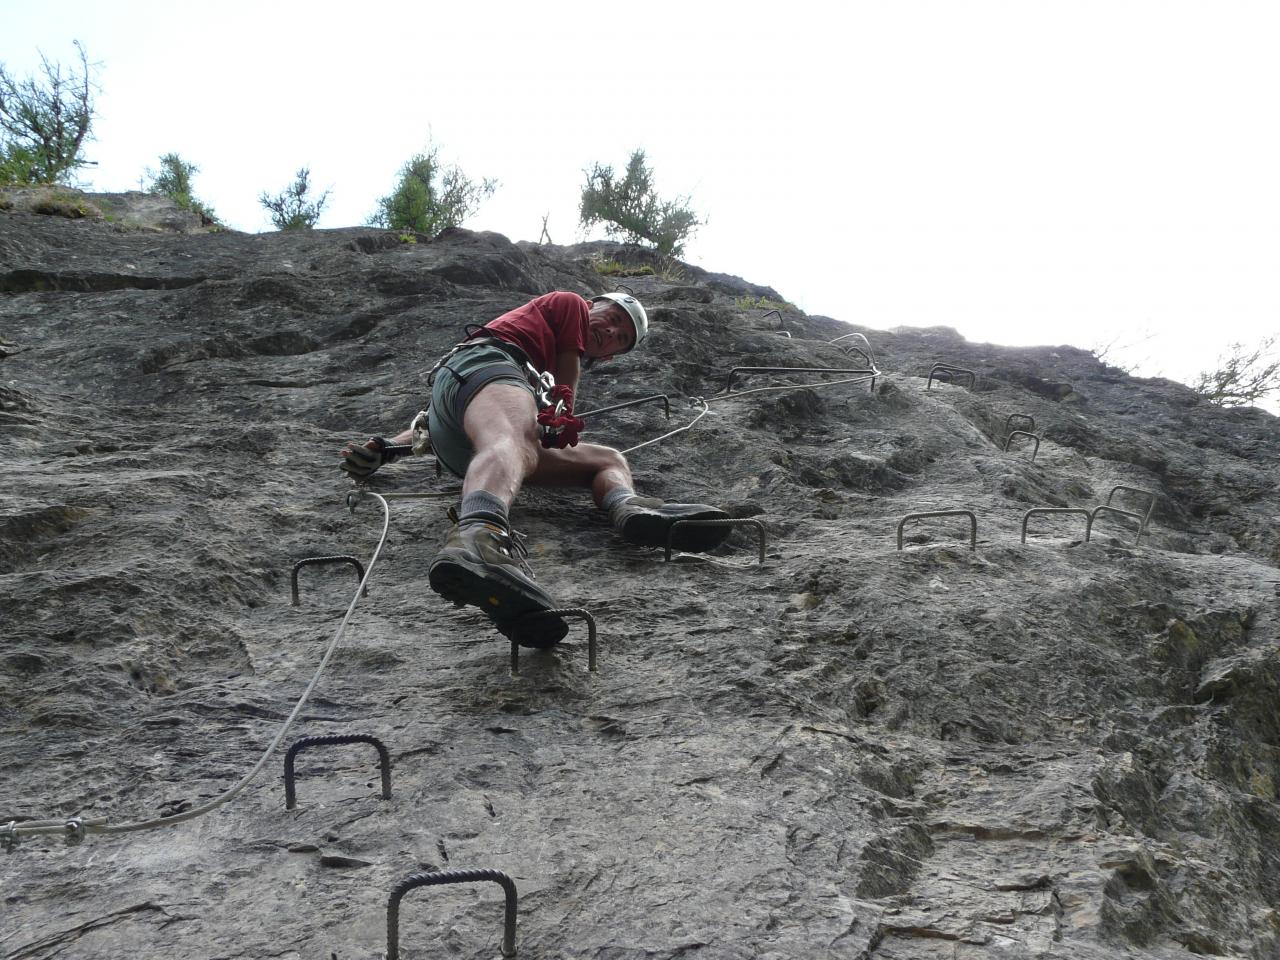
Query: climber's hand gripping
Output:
(361,461)
(560,428)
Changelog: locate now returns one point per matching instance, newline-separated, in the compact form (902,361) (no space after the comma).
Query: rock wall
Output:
(1062,748)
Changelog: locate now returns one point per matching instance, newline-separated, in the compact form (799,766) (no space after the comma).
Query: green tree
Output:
(290,209)
(1243,377)
(631,209)
(429,197)
(17,165)
(44,121)
(173,180)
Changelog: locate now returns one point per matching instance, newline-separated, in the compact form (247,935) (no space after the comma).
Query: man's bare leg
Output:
(640,520)
(480,563)
(588,465)
(501,423)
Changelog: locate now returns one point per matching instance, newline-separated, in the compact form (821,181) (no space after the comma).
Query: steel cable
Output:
(791,386)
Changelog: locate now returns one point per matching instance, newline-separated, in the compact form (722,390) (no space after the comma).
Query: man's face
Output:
(609,330)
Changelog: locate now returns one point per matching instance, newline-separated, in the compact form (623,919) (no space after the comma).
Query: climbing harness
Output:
(555,411)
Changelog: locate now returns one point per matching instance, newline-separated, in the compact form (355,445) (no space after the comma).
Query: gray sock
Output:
(483,506)
(615,497)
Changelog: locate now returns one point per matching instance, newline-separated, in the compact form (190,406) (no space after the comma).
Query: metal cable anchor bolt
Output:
(75,831)
(354,497)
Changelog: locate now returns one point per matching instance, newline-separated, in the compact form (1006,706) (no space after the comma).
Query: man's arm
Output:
(568,369)
(401,438)
(360,460)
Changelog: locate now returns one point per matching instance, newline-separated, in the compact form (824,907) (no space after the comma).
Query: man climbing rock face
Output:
(501,415)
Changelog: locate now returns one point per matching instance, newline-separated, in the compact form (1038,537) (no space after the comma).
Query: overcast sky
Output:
(1027,172)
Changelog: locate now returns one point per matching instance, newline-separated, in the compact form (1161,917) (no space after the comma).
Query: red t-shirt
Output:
(543,328)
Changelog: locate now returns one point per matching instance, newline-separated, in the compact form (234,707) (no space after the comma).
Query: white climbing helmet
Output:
(635,310)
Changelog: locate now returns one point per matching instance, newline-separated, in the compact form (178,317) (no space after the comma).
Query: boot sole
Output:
(647,530)
(511,608)
(540,631)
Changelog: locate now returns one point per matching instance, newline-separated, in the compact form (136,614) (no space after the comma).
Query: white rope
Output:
(101,825)
(672,433)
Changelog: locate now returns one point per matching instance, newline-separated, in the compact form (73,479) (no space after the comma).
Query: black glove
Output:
(361,461)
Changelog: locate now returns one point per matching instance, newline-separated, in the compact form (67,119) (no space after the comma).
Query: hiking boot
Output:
(538,630)
(646,522)
(482,565)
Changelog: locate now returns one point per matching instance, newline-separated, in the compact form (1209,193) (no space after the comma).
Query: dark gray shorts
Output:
(475,365)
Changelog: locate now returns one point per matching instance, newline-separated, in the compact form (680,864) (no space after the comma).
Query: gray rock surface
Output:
(1059,749)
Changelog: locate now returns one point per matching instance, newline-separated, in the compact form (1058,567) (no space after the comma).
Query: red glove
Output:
(561,427)
(562,391)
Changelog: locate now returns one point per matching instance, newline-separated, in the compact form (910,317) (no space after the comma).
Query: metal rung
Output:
(1151,506)
(850,350)
(1122,513)
(973,523)
(319,561)
(1079,511)
(333,740)
(735,522)
(1023,433)
(440,878)
(666,406)
(868,354)
(1008,422)
(949,370)
(572,613)
(1142,518)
